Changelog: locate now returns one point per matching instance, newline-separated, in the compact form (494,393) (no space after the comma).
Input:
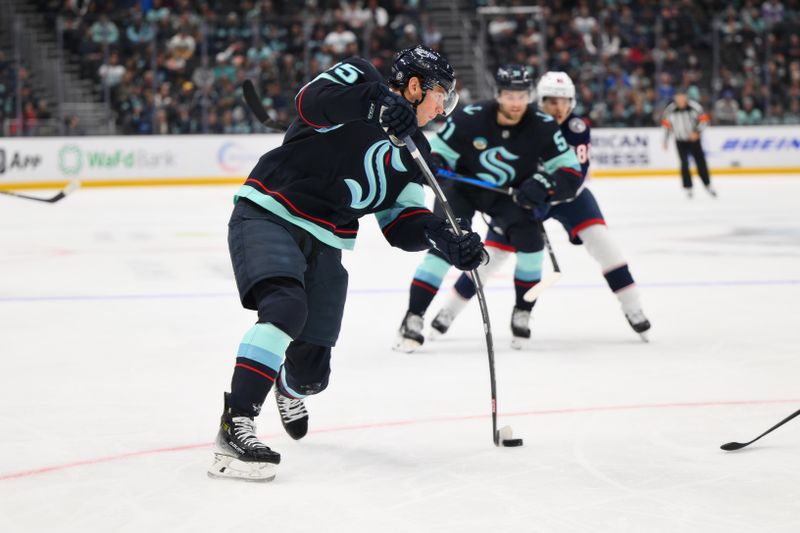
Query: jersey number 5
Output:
(561,142)
(347,73)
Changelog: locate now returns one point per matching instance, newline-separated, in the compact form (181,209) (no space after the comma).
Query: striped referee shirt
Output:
(683,121)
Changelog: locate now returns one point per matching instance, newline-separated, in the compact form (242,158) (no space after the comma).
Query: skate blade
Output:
(519,343)
(227,467)
(644,336)
(406,345)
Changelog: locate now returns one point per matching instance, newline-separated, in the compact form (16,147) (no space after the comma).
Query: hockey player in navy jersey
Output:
(506,142)
(299,208)
(581,218)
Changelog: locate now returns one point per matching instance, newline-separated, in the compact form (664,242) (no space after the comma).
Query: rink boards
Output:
(46,162)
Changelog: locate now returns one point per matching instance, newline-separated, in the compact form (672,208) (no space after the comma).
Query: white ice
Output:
(119,323)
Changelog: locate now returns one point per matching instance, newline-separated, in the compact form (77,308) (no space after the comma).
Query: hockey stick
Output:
(487,327)
(731,446)
(548,280)
(71,186)
(253,102)
(452,176)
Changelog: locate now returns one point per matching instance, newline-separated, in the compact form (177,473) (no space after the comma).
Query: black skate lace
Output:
(245,431)
(291,409)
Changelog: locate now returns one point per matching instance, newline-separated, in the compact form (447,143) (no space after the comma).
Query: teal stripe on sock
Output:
(529,266)
(432,270)
(265,344)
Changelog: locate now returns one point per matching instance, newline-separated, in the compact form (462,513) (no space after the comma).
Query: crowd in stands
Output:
(176,66)
(629,57)
(34,110)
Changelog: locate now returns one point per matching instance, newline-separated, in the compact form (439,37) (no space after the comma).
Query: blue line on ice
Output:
(388,290)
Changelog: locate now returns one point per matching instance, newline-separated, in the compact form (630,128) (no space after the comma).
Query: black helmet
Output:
(513,77)
(430,67)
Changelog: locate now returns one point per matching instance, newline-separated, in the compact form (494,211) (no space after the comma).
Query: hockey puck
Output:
(512,443)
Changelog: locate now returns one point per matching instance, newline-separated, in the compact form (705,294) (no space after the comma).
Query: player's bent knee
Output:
(282,302)
(598,242)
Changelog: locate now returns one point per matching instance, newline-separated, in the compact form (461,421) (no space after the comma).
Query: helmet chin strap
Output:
(416,103)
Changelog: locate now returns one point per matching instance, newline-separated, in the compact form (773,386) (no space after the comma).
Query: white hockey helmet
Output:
(555,85)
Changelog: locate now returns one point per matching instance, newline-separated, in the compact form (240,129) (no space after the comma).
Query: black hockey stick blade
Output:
(253,102)
(53,199)
(732,446)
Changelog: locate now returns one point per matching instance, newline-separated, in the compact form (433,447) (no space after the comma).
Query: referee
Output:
(686,119)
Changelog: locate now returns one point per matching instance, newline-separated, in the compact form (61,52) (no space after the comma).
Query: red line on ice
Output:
(396,423)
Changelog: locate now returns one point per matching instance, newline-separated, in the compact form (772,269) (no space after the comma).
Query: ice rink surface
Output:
(119,323)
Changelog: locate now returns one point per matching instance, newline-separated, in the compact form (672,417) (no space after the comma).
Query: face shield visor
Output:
(448,99)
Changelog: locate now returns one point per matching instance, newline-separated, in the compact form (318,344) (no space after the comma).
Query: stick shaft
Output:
(487,327)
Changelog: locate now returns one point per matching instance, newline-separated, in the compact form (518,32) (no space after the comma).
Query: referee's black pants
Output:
(693,148)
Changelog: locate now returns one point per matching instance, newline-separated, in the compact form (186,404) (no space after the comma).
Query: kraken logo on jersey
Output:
(376,175)
(500,172)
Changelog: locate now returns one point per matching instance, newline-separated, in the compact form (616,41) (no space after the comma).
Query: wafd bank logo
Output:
(233,157)
(72,159)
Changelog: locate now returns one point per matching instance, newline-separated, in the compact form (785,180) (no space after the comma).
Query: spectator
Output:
(73,126)
(111,73)
(340,39)
(726,109)
(104,31)
(748,115)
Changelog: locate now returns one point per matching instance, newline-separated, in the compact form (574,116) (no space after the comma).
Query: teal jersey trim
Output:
(276,208)
(265,344)
(565,159)
(444,150)
(529,266)
(412,195)
(287,388)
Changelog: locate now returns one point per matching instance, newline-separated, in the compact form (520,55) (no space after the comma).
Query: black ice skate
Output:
(293,415)
(639,323)
(410,337)
(520,328)
(238,453)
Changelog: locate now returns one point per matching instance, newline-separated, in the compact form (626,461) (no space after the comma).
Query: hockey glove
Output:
(436,161)
(535,191)
(395,115)
(465,252)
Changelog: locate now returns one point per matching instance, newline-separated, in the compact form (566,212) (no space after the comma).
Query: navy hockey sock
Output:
(520,288)
(420,296)
(464,286)
(619,278)
(427,280)
(258,361)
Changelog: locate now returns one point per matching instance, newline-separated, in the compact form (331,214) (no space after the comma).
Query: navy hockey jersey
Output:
(474,144)
(337,164)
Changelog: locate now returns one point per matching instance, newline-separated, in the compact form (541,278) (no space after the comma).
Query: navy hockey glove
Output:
(436,161)
(535,191)
(465,252)
(395,115)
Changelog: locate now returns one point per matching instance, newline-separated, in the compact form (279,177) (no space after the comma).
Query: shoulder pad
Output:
(576,125)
